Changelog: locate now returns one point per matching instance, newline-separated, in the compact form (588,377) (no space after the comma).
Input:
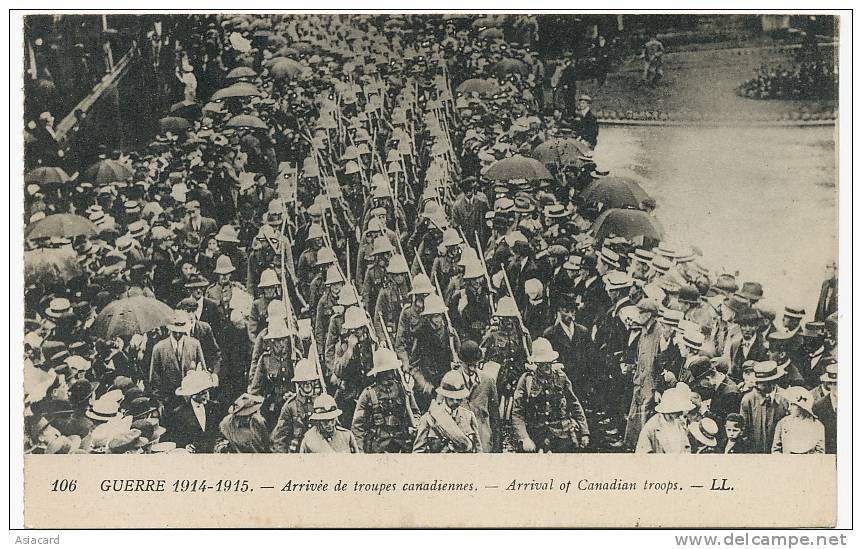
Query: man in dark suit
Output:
(196,223)
(748,345)
(193,424)
(521,268)
(468,210)
(826,408)
(173,357)
(206,309)
(723,394)
(572,341)
(827,303)
(203,332)
(586,124)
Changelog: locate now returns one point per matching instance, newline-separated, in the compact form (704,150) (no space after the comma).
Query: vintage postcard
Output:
(520,269)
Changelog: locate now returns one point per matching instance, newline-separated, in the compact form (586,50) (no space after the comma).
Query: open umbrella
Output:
(287,68)
(186,109)
(240,89)
(488,21)
(130,316)
(507,66)
(50,266)
(283,52)
(627,223)
(561,151)
(62,224)
(46,176)
(246,121)
(491,32)
(615,192)
(241,72)
(518,167)
(106,171)
(478,85)
(174,124)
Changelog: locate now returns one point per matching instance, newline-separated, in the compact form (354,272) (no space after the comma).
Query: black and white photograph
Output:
(403,233)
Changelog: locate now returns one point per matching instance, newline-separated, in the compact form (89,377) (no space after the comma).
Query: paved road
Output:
(758,200)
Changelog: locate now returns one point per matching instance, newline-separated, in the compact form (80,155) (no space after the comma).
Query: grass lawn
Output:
(700,84)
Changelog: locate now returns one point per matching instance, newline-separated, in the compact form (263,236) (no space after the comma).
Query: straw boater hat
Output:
(58,307)
(705,431)
(831,373)
(324,408)
(543,351)
(197,381)
(104,409)
(794,311)
(768,370)
(179,323)
(617,280)
(452,386)
(385,360)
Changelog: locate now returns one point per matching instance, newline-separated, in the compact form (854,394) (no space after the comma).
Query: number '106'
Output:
(64,485)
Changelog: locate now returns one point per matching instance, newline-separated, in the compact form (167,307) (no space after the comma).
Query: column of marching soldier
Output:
(351,248)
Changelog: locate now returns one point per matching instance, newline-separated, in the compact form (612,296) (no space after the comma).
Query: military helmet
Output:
(304,371)
(354,318)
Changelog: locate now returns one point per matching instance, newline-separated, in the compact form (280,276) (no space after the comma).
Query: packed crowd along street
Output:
(390,234)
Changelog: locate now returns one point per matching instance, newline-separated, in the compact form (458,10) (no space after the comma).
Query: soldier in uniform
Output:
(326,436)
(225,287)
(444,266)
(448,426)
(470,305)
(346,298)
(497,251)
(375,273)
(373,229)
(274,372)
(546,414)
(269,287)
(393,296)
(353,359)
(306,266)
(410,318)
(293,421)
(386,412)
(325,261)
(433,349)
(332,285)
(504,344)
